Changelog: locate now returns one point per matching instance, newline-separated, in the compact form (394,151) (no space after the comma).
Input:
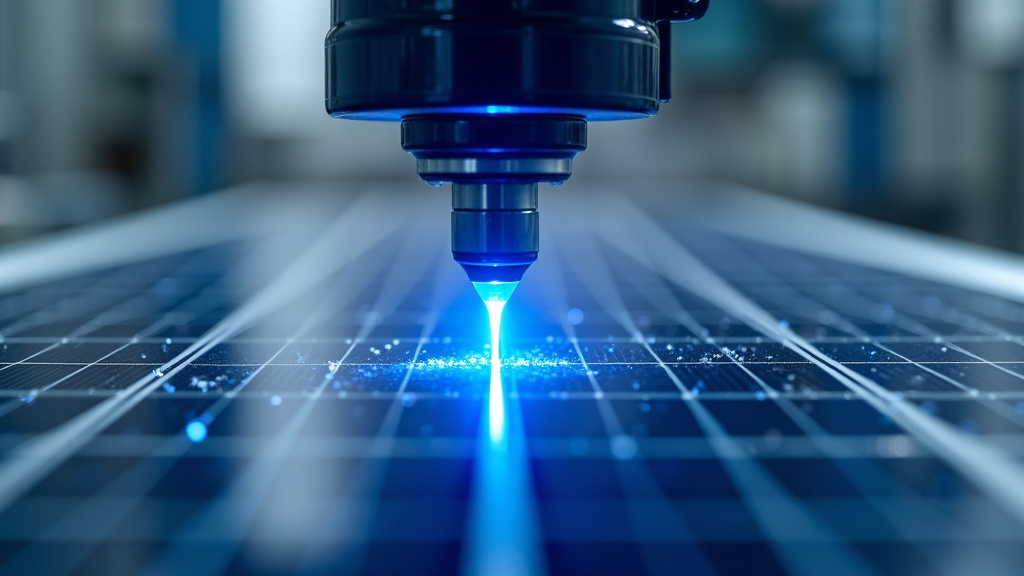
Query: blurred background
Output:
(910,111)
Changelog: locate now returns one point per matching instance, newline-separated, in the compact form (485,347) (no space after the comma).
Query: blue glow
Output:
(396,114)
(196,431)
(496,410)
(575,316)
(496,402)
(494,309)
(477,361)
(495,291)
(503,538)
(501,109)
(495,295)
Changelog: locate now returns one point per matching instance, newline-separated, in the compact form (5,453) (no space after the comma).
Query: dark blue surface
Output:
(378,474)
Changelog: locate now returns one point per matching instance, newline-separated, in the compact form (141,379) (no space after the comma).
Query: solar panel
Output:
(306,388)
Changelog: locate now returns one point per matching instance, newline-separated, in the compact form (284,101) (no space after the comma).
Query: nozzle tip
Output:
(504,268)
(495,292)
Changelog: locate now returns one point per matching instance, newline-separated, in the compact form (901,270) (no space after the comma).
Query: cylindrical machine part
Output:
(495,95)
(494,196)
(457,148)
(494,165)
(388,60)
(495,229)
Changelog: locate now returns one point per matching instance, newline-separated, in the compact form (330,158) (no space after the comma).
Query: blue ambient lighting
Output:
(196,431)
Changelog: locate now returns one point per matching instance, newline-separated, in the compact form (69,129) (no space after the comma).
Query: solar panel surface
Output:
(690,402)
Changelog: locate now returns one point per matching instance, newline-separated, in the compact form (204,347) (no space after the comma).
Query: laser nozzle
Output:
(495,230)
(494,162)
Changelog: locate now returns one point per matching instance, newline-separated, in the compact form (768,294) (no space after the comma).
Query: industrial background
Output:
(911,111)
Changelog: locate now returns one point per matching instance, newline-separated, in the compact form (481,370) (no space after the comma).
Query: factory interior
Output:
(908,111)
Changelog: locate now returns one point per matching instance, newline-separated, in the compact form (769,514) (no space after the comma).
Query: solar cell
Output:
(705,402)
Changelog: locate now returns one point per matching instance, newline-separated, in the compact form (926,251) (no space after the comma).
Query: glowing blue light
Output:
(624,447)
(496,403)
(495,291)
(495,295)
(500,109)
(196,431)
(496,410)
(575,316)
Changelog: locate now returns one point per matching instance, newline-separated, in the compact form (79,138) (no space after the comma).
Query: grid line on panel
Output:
(751,288)
(27,393)
(958,451)
(88,512)
(748,475)
(810,395)
(209,416)
(254,483)
(927,334)
(751,475)
(640,478)
(24,471)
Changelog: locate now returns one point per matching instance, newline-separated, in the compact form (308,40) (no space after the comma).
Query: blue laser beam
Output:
(504,534)
(496,410)
(495,295)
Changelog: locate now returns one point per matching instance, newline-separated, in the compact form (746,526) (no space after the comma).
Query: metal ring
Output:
(494,195)
(495,166)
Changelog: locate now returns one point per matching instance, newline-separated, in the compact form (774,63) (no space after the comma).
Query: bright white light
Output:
(494,309)
(495,295)
(991,31)
(496,403)
(496,410)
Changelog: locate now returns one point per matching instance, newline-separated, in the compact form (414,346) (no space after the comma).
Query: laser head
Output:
(495,230)
(494,96)
(494,163)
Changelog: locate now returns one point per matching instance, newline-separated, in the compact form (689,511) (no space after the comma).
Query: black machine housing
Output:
(495,95)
